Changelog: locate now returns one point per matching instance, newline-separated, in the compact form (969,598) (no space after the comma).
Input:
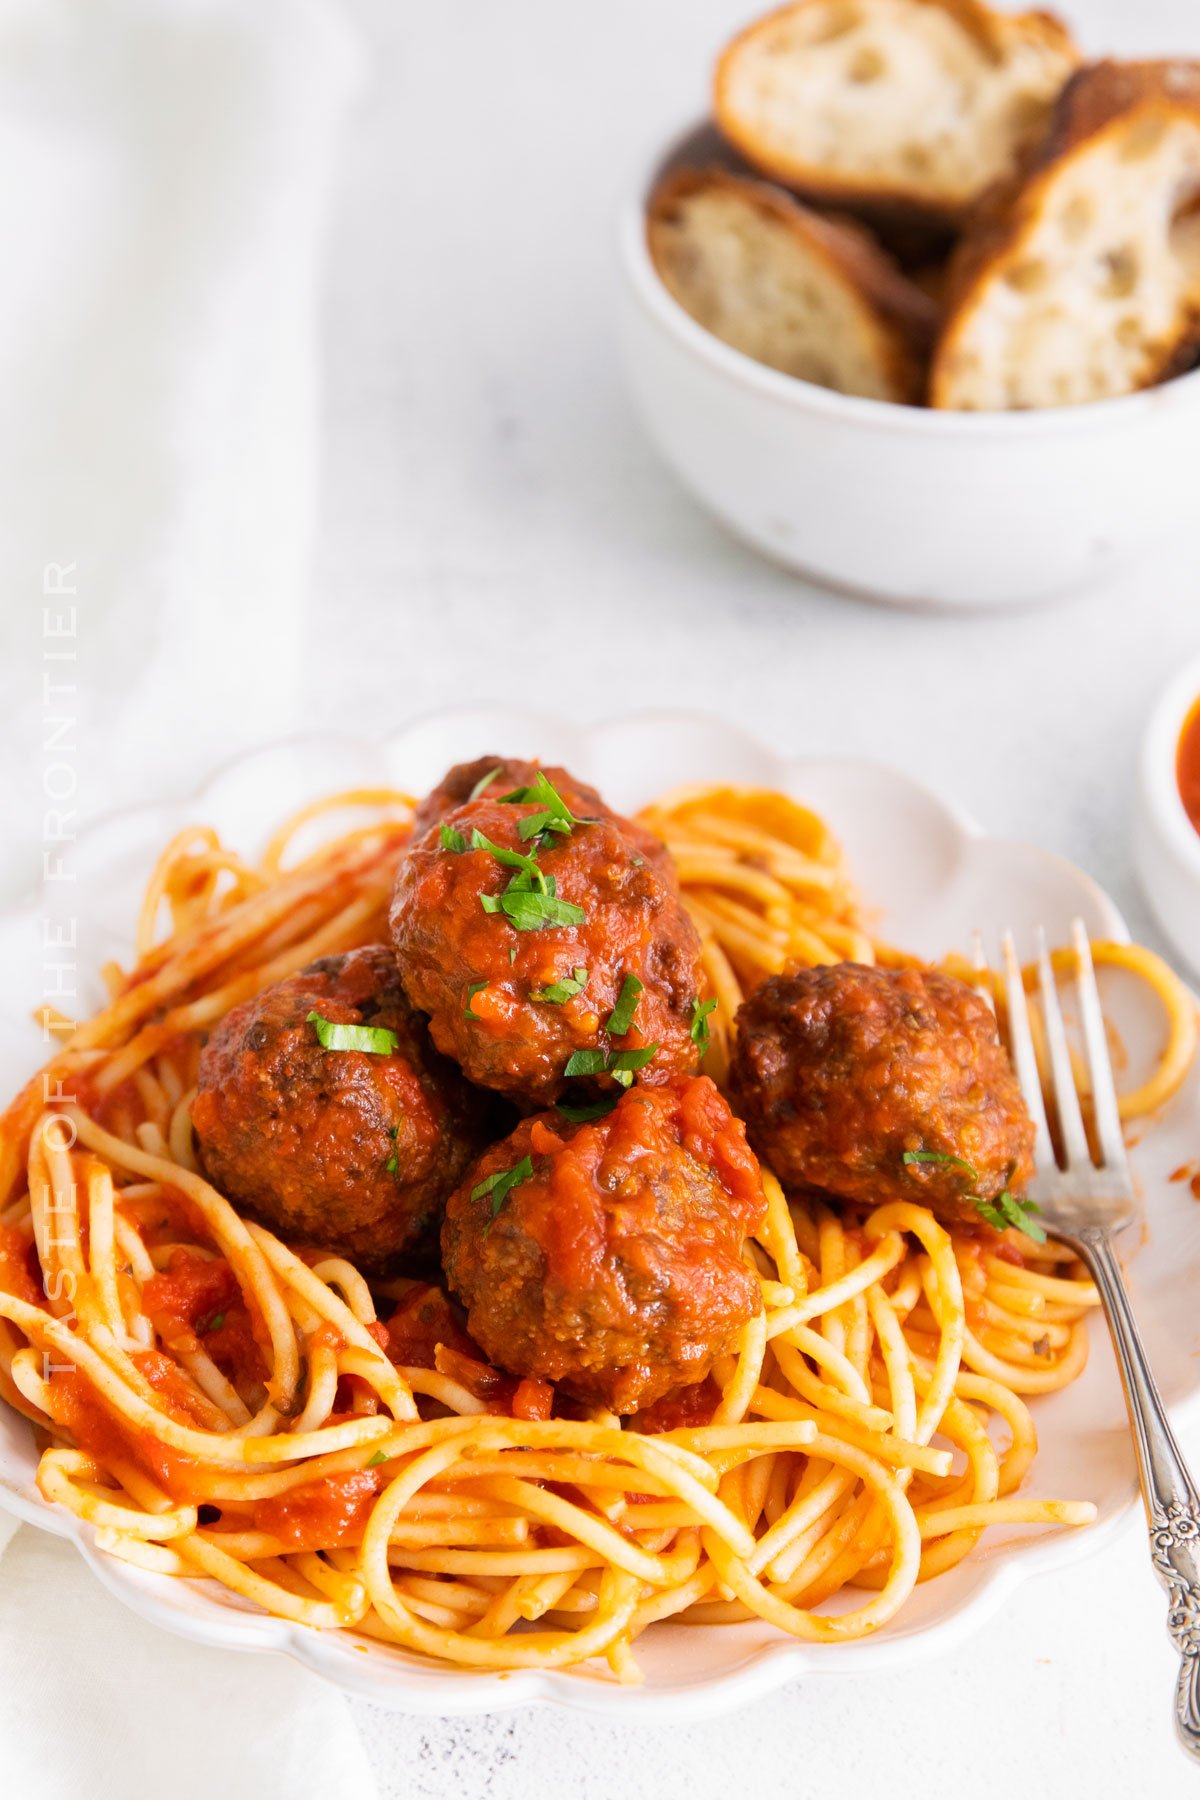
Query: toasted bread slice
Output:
(1085,282)
(811,296)
(896,107)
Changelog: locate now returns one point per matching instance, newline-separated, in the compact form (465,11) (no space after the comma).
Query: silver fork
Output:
(1083,1203)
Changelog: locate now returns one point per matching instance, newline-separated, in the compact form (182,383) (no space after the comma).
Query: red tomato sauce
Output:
(202,1294)
(1187,765)
(80,1410)
(322,1515)
(20,1274)
(683,1409)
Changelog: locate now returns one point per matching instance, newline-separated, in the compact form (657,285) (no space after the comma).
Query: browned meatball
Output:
(345,1148)
(605,1256)
(495,776)
(841,1072)
(521,952)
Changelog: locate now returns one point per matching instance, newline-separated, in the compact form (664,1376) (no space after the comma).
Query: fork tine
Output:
(1104,1093)
(1024,1056)
(983,986)
(1066,1100)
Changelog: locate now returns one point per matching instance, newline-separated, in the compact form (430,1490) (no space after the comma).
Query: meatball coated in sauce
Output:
(614,1268)
(839,1071)
(346,1149)
(494,776)
(495,993)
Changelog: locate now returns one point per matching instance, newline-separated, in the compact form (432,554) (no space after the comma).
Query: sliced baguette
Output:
(908,108)
(813,297)
(1084,281)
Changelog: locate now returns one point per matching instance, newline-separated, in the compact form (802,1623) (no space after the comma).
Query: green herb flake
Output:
(937,1156)
(485,782)
(373,1462)
(512,954)
(216,1322)
(527,911)
(621,1017)
(1008,1210)
(700,1032)
(476,987)
(392,1165)
(500,1186)
(620,1064)
(1000,1213)
(553,813)
(562,990)
(511,859)
(376,1040)
(586,1110)
(452,840)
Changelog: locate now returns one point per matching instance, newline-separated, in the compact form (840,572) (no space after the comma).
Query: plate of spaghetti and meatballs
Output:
(523,1211)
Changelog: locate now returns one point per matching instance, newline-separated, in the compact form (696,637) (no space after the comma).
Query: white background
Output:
(491,524)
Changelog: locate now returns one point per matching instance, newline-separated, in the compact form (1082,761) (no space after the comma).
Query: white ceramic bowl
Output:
(1165,842)
(899,503)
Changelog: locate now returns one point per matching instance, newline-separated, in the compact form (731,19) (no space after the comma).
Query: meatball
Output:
(842,1072)
(499,775)
(541,959)
(349,1149)
(605,1256)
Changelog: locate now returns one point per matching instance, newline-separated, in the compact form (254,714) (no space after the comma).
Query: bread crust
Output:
(1100,99)
(898,209)
(902,318)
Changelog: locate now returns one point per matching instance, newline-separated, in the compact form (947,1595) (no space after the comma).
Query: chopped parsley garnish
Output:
(512,954)
(620,1064)
(376,1039)
(373,1462)
(476,987)
(938,1156)
(621,1017)
(530,901)
(526,910)
(553,815)
(512,859)
(216,1322)
(500,1186)
(586,1110)
(485,782)
(392,1165)
(564,989)
(1007,1210)
(700,1031)
(452,840)
(1000,1213)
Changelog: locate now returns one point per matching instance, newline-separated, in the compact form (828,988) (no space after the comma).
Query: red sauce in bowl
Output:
(1187,765)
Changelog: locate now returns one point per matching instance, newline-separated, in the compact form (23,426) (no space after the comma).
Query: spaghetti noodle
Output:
(845,1452)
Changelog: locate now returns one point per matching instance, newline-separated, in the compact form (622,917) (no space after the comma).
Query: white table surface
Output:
(493,524)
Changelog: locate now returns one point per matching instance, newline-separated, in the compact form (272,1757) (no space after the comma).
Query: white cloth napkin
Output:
(164,177)
(164,168)
(96,1703)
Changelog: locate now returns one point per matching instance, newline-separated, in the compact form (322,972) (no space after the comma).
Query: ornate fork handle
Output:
(1170,1495)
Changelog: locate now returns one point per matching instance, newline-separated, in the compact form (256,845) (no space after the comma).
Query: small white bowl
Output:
(900,503)
(1166,845)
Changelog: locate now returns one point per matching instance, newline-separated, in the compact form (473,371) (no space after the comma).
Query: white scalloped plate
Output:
(933,877)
